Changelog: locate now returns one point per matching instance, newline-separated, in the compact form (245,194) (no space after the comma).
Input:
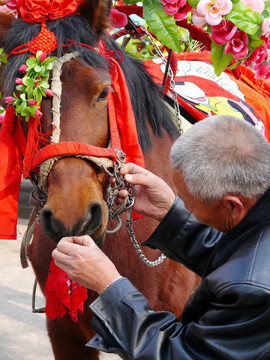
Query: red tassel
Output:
(35,140)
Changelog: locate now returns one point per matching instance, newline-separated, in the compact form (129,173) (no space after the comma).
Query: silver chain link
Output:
(137,246)
(127,205)
(170,73)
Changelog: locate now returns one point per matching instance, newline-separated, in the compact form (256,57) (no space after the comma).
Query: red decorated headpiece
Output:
(37,11)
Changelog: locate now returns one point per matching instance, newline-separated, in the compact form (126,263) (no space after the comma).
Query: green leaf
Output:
(31,62)
(266,11)
(245,19)
(39,52)
(33,109)
(37,68)
(219,59)
(193,3)
(28,81)
(39,96)
(44,84)
(254,42)
(161,24)
(48,61)
(20,88)
(131,1)
(3,57)
(23,97)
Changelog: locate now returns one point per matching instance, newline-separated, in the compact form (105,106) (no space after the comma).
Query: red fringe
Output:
(35,140)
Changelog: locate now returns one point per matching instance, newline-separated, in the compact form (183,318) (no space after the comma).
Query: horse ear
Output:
(6,21)
(97,13)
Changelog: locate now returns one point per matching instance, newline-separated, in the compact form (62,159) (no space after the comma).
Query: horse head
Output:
(73,181)
(74,185)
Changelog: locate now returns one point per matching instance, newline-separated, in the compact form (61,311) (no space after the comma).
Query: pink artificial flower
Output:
(238,45)
(197,19)
(23,68)
(255,5)
(213,10)
(9,99)
(43,56)
(258,56)
(4,9)
(266,27)
(223,32)
(182,12)
(32,102)
(8,7)
(12,4)
(19,81)
(171,7)
(118,19)
(49,92)
(38,114)
(2,116)
(262,72)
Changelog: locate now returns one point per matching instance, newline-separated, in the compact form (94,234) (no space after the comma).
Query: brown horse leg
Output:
(66,345)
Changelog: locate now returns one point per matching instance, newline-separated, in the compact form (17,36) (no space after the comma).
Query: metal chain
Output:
(127,205)
(170,73)
(137,246)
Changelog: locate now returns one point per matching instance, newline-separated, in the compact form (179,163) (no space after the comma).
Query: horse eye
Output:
(103,95)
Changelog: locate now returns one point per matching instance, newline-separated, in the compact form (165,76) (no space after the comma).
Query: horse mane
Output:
(145,94)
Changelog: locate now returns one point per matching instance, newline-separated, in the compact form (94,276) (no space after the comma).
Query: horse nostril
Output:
(52,227)
(92,221)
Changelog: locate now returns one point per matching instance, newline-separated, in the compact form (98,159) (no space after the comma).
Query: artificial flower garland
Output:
(239,29)
(33,86)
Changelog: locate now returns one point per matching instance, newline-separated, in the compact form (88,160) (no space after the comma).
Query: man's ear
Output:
(236,206)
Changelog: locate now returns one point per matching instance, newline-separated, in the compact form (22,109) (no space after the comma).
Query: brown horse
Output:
(76,198)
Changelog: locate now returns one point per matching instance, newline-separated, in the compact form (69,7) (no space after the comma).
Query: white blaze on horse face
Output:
(105,356)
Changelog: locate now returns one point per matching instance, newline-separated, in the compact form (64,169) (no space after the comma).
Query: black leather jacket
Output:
(226,317)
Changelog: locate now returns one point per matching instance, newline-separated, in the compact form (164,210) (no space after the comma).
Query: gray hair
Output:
(220,155)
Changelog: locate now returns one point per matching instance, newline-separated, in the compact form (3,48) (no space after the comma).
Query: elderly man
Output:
(219,227)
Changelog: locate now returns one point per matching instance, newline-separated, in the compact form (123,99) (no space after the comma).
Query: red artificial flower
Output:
(49,92)
(182,12)
(32,102)
(23,68)
(118,19)
(238,45)
(223,32)
(38,114)
(258,56)
(262,71)
(43,56)
(18,81)
(36,11)
(171,7)
(9,99)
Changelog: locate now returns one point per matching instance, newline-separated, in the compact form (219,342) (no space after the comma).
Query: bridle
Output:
(110,159)
(50,154)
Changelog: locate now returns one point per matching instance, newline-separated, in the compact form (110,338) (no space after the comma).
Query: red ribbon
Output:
(63,295)
(42,10)
(12,150)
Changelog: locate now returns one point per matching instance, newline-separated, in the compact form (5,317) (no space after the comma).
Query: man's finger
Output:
(60,257)
(84,240)
(131,168)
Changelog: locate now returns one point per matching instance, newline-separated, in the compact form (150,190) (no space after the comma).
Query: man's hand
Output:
(84,262)
(153,196)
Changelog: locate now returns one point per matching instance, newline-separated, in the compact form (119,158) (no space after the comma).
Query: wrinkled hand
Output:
(84,262)
(153,197)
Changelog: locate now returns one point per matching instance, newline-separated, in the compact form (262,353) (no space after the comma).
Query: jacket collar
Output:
(255,220)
